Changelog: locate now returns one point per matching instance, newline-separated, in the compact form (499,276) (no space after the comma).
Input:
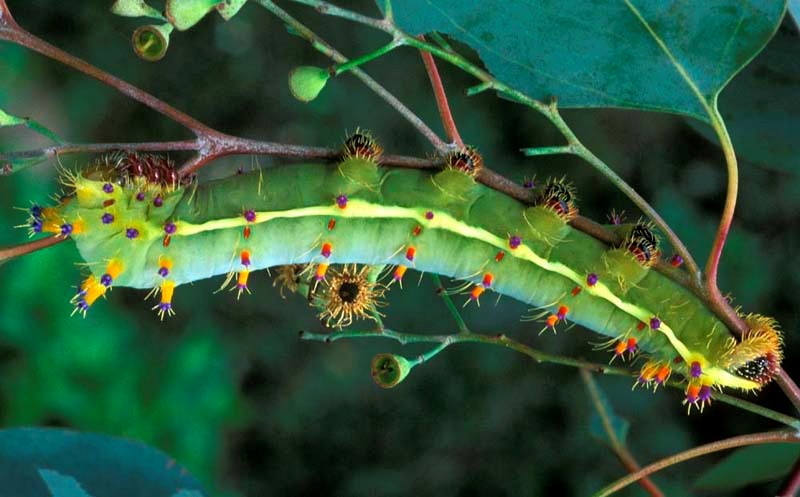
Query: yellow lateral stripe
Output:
(362,209)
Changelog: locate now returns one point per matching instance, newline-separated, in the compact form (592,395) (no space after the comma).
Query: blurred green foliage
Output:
(227,388)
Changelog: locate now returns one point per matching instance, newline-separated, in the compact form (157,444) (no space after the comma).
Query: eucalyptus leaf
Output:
(749,465)
(48,462)
(670,56)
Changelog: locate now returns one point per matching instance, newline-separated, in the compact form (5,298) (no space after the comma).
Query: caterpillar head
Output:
(466,160)
(362,145)
(757,356)
(559,197)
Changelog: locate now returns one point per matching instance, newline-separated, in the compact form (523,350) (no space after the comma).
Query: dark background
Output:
(227,388)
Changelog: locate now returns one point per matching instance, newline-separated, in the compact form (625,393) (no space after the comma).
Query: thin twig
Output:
(782,436)
(325,48)
(448,302)
(9,253)
(540,357)
(618,446)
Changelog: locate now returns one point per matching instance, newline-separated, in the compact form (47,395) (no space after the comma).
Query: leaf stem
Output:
(623,454)
(781,436)
(353,63)
(8,253)
(443,105)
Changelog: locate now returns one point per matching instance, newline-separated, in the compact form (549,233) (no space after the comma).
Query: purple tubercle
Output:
(655,323)
(429,215)
(158,201)
(106,279)
(163,271)
(170,228)
(250,215)
(107,218)
(108,188)
(695,370)
(514,242)
(140,196)
(341,201)
(705,393)
(592,279)
(131,233)
(66,229)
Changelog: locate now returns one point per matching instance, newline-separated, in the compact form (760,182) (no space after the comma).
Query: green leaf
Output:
(671,56)
(619,425)
(761,107)
(748,465)
(9,120)
(74,464)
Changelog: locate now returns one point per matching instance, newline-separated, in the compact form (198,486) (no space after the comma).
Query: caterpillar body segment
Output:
(357,212)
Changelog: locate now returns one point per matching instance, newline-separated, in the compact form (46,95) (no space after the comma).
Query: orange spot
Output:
(319,274)
(410,253)
(620,348)
(114,268)
(693,391)
(576,291)
(327,249)
(108,202)
(331,224)
(488,278)
(245,258)
(476,292)
(499,256)
(167,291)
(166,240)
(399,271)
(92,290)
(78,227)
(246,232)
(552,320)
(417,230)
(663,374)
(165,262)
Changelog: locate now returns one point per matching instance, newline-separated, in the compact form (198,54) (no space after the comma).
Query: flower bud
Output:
(150,42)
(388,370)
(305,82)
(183,14)
(135,8)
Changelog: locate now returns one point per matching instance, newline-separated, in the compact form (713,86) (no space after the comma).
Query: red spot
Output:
(562,312)
(417,230)
(108,202)
(499,256)
(631,345)
(410,253)
(331,224)
(246,232)
(678,359)
(166,240)
(327,248)
(245,257)
(487,280)
(640,326)
(676,260)
(576,291)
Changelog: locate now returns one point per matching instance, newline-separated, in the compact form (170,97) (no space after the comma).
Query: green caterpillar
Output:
(142,228)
